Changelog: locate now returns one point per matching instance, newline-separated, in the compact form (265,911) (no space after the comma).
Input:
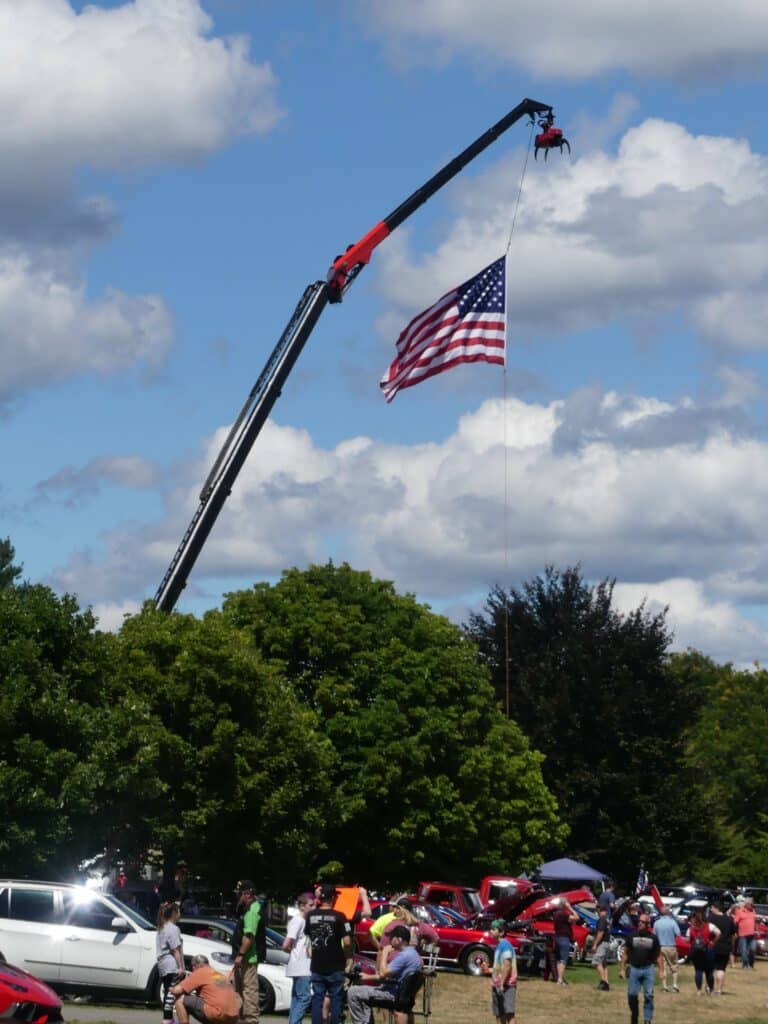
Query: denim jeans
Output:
(301,997)
(747,945)
(641,977)
(331,985)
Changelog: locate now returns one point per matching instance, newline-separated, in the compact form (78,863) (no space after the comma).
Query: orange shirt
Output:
(220,999)
(745,921)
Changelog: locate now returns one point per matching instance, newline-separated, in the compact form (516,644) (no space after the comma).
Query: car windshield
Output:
(473,901)
(134,916)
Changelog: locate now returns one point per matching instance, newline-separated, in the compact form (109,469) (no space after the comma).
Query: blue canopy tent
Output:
(567,870)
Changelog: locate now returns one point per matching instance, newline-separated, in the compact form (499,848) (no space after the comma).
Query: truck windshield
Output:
(472,900)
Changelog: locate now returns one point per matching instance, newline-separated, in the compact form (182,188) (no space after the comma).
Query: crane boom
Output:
(265,392)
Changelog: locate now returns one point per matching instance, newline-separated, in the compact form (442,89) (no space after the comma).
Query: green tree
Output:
(208,758)
(591,689)
(52,665)
(428,774)
(727,753)
(9,572)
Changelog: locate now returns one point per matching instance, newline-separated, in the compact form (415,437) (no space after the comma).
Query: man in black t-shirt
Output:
(331,946)
(643,952)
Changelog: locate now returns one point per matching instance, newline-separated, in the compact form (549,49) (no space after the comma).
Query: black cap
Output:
(245,886)
(327,891)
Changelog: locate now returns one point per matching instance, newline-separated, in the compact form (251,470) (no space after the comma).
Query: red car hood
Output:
(16,986)
(507,907)
(549,902)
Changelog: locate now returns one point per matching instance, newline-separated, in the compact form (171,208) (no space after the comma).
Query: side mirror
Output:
(120,924)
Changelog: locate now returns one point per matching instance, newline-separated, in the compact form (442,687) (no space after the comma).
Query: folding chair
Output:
(431,952)
(405,997)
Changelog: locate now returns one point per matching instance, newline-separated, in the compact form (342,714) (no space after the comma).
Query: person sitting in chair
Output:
(405,962)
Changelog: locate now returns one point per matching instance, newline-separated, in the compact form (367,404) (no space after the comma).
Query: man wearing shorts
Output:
(503,975)
(601,949)
(207,995)
(666,929)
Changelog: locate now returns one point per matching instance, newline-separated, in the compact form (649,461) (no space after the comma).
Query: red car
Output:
(461,945)
(23,997)
(533,911)
(462,898)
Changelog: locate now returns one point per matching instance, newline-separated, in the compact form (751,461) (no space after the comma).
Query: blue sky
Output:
(174,174)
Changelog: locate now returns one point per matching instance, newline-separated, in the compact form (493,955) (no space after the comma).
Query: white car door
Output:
(94,953)
(30,932)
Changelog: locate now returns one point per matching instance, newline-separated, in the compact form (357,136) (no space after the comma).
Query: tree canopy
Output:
(728,756)
(52,694)
(590,689)
(428,774)
(327,725)
(209,757)
(9,572)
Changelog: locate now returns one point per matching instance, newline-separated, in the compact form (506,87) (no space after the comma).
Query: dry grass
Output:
(459,999)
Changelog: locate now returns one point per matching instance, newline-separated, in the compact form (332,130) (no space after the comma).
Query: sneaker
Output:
(675,988)
(664,988)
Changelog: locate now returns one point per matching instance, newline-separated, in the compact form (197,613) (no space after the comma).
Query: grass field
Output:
(459,999)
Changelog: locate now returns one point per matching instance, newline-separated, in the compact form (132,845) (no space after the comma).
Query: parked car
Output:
(493,887)
(463,898)
(461,945)
(221,929)
(25,998)
(539,914)
(76,939)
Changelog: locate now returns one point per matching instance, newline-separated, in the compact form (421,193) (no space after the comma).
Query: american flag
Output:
(467,325)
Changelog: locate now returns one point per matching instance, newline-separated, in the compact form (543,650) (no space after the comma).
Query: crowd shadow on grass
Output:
(459,999)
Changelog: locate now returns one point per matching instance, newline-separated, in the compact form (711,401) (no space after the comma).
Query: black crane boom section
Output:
(267,389)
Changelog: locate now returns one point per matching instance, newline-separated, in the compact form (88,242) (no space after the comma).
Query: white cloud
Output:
(557,38)
(120,86)
(431,516)
(50,331)
(666,226)
(111,615)
(143,82)
(73,484)
(713,626)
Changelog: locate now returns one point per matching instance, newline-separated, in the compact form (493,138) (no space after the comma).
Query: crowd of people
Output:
(717,938)
(319,946)
(319,941)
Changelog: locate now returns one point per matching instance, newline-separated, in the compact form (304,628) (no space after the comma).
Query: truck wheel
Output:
(155,989)
(476,959)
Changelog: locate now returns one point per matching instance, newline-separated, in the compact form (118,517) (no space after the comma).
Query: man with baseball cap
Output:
(246,953)
(406,961)
(503,974)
